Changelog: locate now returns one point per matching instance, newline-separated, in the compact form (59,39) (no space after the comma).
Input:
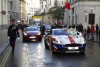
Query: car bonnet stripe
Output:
(71,39)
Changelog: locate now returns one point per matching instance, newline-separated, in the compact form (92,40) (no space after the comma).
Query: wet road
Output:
(35,55)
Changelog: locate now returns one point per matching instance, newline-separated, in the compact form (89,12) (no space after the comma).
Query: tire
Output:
(82,52)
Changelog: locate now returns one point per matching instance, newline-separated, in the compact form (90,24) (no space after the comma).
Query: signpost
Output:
(3,12)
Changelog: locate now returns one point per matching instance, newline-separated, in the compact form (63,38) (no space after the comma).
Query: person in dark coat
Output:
(97,30)
(13,33)
(80,27)
(69,26)
(43,29)
(77,27)
(92,31)
(88,32)
(73,25)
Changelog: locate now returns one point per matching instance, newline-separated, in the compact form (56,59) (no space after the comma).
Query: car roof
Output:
(58,29)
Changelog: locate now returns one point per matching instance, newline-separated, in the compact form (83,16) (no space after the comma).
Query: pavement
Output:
(96,39)
(5,49)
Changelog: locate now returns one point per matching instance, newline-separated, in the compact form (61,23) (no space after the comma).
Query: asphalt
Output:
(34,54)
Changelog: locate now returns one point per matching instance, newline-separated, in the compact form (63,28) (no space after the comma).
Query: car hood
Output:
(32,32)
(64,39)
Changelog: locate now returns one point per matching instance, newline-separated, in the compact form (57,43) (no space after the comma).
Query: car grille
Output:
(72,45)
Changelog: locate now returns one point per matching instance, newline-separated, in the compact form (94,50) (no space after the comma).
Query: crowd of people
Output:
(88,32)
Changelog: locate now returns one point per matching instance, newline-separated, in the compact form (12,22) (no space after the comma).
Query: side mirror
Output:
(79,33)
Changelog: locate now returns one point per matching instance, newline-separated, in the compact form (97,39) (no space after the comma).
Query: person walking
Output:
(43,29)
(13,33)
(88,32)
(97,30)
(84,32)
(92,31)
(80,28)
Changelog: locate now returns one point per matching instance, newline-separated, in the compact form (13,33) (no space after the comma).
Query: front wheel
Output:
(82,52)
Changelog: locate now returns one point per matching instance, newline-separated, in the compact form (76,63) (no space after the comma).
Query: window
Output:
(11,5)
(91,18)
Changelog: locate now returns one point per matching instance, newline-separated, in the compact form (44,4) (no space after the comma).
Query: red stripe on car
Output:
(71,40)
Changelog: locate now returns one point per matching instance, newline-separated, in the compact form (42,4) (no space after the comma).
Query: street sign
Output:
(3,12)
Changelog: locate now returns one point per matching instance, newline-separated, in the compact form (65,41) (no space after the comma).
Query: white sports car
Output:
(61,41)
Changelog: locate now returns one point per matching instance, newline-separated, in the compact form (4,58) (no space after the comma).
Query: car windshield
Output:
(32,29)
(47,27)
(60,32)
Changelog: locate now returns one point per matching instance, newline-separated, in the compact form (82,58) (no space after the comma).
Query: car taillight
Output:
(53,39)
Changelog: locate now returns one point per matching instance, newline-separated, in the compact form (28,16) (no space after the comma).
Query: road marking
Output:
(5,58)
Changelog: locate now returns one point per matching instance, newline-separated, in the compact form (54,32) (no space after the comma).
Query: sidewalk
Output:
(96,39)
(5,49)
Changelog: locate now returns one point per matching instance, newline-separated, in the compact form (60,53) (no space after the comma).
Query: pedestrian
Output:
(84,32)
(88,32)
(77,27)
(13,33)
(96,30)
(23,25)
(80,28)
(99,32)
(69,26)
(92,31)
(43,29)
(73,25)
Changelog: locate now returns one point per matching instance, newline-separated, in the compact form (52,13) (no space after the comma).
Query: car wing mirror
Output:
(79,33)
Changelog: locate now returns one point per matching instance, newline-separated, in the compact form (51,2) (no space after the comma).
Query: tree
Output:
(56,12)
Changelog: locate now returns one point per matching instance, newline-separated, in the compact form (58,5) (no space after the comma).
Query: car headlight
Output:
(39,33)
(83,41)
(25,34)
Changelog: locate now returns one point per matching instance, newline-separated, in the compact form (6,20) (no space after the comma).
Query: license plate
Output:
(32,37)
(33,40)
(72,48)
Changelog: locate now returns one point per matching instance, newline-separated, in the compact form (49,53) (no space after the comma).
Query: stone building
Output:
(85,12)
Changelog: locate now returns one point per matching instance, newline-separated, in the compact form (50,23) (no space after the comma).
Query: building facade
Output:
(23,9)
(50,4)
(13,10)
(3,14)
(42,6)
(31,8)
(83,12)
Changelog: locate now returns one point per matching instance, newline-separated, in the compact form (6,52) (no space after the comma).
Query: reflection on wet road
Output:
(35,55)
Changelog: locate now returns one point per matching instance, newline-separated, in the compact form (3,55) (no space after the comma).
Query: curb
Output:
(5,56)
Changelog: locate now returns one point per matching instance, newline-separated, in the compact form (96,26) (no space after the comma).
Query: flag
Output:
(67,5)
